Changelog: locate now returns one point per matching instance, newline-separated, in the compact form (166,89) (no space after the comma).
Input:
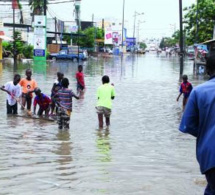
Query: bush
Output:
(28,51)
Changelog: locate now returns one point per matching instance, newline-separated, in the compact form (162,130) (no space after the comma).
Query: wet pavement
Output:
(143,153)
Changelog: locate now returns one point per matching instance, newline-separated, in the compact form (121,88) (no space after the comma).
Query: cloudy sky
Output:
(160,16)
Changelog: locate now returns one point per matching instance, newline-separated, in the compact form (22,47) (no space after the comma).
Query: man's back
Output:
(199,120)
(104,94)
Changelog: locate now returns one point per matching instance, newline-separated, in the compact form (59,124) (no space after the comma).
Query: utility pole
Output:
(135,14)
(55,22)
(134,30)
(123,14)
(197,21)
(77,11)
(14,42)
(181,39)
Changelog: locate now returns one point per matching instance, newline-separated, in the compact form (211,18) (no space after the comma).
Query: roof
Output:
(209,41)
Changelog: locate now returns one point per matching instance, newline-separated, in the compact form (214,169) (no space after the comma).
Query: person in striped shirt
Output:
(64,101)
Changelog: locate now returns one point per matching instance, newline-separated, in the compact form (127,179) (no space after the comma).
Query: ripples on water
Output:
(143,153)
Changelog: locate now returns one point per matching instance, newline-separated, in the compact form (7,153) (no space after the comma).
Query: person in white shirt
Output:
(14,91)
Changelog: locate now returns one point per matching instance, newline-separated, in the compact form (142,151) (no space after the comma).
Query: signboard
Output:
(39,52)
(39,42)
(39,31)
(39,21)
(108,36)
(51,27)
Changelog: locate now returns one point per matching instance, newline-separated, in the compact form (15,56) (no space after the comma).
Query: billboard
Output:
(114,36)
(108,36)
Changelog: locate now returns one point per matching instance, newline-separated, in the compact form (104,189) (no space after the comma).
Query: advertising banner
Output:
(39,45)
(108,36)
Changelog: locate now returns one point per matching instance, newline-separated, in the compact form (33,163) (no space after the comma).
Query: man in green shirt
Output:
(105,95)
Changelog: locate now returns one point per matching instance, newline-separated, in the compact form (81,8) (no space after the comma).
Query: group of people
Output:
(21,91)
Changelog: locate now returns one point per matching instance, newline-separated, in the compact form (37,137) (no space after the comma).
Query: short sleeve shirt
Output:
(199,120)
(27,85)
(43,102)
(15,91)
(80,78)
(65,98)
(104,94)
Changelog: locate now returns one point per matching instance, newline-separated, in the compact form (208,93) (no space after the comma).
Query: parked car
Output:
(64,54)
(141,51)
(109,51)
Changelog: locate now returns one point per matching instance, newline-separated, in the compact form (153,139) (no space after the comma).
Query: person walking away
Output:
(105,95)
(14,91)
(185,89)
(64,101)
(43,101)
(28,85)
(198,120)
(80,80)
(56,86)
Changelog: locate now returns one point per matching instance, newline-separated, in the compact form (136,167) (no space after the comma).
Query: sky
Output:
(160,17)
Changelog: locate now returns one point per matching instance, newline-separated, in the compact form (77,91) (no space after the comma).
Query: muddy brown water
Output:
(143,153)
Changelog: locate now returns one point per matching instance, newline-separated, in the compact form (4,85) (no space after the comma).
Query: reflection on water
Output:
(143,153)
(103,145)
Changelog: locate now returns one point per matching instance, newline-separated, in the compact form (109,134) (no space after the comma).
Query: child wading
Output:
(80,79)
(105,95)
(64,102)
(185,89)
(28,85)
(14,92)
(56,86)
(43,101)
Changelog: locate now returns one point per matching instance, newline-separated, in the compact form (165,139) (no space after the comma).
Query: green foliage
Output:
(170,41)
(28,51)
(88,41)
(206,16)
(67,38)
(22,49)
(143,46)
(37,6)
(18,42)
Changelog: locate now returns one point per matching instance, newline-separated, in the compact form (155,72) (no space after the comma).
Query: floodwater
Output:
(142,153)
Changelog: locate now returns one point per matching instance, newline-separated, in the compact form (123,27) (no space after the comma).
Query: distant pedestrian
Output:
(199,121)
(28,85)
(64,102)
(14,91)
(80,79)
(105,95)
(185,89)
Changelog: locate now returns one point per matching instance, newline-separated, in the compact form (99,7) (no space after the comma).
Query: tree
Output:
(90,34)
(37,6)
(205,18)
(143,46)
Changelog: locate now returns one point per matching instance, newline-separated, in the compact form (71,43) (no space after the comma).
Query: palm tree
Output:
(37,6)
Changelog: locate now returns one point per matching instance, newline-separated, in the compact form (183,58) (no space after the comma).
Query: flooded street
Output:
(143,153)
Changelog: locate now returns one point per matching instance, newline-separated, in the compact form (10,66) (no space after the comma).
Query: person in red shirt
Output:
(80,79)
(43,101)
(185,88)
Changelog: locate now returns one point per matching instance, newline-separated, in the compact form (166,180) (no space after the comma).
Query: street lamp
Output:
(135,15)
(123,13)
(138,34)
